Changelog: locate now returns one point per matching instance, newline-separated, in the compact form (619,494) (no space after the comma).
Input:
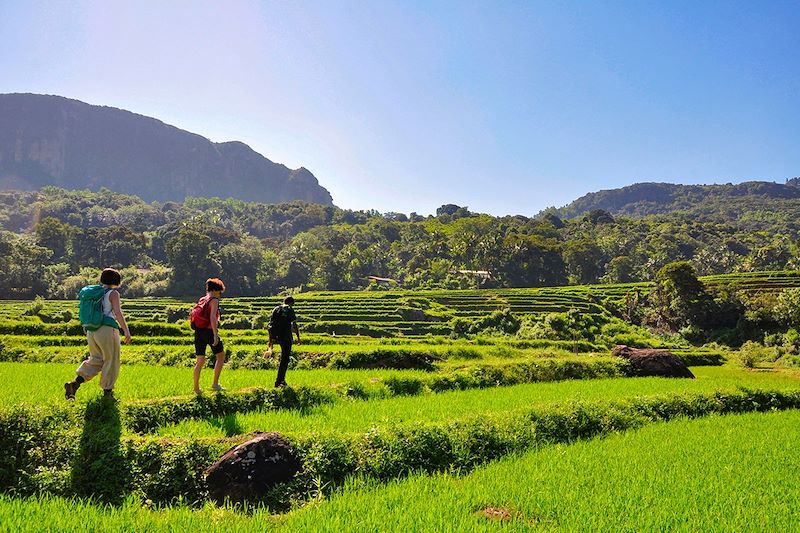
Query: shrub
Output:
(751,353)
(401,386)
(176,314)
(148,415)
(36,307)
(41,446)
(381,358)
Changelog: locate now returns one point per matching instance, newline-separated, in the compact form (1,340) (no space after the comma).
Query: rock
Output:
(246,472)
(649,362)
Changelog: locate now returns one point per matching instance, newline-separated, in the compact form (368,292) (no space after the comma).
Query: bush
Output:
(400,386)
(380,358)
(41,446)
(751,353)
(145,416)
(176,314)
(787,309)
(497,323)
(36,307)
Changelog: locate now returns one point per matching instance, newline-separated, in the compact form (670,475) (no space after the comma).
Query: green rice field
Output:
(731,473)
(400,420)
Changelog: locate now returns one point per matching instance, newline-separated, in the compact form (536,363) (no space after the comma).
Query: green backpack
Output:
(90,308)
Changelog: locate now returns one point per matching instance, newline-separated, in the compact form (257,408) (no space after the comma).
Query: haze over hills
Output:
(642,199)
(52,140)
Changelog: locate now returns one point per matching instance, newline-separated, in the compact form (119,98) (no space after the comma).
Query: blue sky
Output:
(506,107)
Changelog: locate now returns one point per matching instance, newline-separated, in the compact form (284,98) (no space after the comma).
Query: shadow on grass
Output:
(229,425)
(100,469)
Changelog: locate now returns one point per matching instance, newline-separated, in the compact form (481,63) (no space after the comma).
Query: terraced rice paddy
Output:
(387,410)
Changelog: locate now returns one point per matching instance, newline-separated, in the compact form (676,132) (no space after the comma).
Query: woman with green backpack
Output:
(100,313)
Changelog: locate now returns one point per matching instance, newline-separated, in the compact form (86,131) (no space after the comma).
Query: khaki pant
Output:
(103,356)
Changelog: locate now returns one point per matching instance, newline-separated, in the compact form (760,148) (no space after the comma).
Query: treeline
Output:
(642,199)
(53,240)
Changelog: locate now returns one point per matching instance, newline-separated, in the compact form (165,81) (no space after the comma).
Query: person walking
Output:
(100,313)
(204,320)
(282,323)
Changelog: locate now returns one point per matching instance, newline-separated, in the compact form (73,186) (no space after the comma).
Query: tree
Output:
(787,309)
(679,298)
(584,261)
(188,253)
(53,234)
(23,264)
(619,270)
(240,265)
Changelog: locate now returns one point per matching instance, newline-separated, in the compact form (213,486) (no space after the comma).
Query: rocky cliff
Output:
(51,140)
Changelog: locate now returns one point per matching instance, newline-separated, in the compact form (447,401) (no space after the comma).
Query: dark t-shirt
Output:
(280,322)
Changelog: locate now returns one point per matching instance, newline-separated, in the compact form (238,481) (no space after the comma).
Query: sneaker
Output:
(217,387)
(108,396)
(69,390)
(281,385)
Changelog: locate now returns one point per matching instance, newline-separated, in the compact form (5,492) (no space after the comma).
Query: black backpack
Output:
(279,321)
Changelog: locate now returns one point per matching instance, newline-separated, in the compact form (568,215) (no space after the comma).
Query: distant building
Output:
(481,274)
(384,282)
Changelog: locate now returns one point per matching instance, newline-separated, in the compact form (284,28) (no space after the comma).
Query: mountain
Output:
(51,140)
(642,199)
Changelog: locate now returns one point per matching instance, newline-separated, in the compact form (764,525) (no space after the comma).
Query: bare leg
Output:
(201,362)
(218,368)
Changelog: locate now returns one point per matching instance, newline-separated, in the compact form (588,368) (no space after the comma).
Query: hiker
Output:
(204,320)
(100,313)
(282,323)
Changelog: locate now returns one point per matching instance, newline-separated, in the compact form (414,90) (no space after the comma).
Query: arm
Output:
(213,309)
(296,331)
(269,331)
(117,308)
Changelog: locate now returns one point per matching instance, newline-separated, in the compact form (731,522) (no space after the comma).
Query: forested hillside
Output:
(54,240)
(720,201)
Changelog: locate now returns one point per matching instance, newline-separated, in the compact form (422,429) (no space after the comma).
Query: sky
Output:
(502,106)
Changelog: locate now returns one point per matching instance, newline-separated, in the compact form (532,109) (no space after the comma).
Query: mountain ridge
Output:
(54,140)
(655,198)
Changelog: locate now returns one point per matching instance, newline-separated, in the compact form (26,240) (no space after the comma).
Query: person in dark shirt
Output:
(282,323)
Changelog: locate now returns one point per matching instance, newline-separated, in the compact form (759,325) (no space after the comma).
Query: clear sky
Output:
(505,107)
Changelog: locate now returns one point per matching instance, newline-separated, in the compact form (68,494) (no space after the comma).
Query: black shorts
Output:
(203,338)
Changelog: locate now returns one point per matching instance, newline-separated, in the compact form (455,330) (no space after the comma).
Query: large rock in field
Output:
(649,362)
(246,472)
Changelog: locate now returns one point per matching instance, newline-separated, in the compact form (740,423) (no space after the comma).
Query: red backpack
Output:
(200,317)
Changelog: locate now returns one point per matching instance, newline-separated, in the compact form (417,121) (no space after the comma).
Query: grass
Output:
(734,473)
(731,473)
(361,416)
(42,383)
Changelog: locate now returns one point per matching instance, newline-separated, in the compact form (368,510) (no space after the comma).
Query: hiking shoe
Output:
(110,399)
(218,388)
(69,390)
(281,385)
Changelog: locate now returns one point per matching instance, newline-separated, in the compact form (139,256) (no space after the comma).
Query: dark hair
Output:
(109,276)
(214,284)
(288,300)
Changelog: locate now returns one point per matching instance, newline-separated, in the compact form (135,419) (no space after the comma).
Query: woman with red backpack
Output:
(204,320)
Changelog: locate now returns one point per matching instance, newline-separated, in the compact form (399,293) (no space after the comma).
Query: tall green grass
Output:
(42,383)
(731,473)
(361,416)
(721,473)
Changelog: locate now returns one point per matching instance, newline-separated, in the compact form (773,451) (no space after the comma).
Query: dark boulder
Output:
(649,362)
(247,472)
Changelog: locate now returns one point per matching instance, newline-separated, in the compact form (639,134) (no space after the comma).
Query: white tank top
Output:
(107,309)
